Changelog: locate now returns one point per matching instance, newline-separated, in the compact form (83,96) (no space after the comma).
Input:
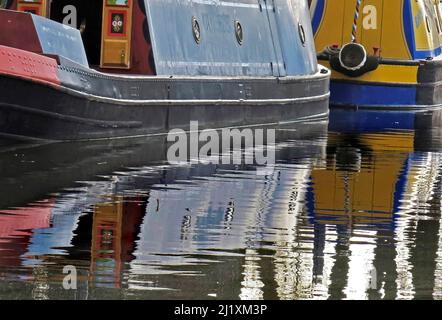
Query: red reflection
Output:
(16,226)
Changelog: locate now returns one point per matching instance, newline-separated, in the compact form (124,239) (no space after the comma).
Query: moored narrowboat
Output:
(82,69)
(383,53)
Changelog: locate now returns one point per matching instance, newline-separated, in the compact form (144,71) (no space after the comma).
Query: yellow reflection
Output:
(367,190)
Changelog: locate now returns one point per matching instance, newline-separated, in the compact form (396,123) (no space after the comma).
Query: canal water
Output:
(351,210)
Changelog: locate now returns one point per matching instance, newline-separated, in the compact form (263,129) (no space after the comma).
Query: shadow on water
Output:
(352,213)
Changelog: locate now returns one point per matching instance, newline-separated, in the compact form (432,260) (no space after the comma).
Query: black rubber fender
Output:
(371,64)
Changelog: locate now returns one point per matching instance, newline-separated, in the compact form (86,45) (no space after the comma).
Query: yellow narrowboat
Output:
(382,53)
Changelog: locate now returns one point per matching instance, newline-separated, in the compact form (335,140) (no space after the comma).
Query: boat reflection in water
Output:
(135,226)
(383,201)
(352,214)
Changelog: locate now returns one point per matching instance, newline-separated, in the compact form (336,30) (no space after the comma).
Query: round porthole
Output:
(239,32)
(196,30)
(5,4)
(301,32)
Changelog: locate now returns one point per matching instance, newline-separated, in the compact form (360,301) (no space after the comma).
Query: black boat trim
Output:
(91,122)
(195,102)
(385,61)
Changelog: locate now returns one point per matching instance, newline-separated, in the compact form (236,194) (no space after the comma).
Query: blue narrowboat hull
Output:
(425,94)
(374,96)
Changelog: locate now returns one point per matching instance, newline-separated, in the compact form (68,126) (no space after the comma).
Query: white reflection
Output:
(437,292)
(420,190)
(361,267)
(323,282)
(252,286)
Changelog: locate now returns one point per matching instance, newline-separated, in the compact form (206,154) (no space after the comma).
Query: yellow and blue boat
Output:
(382,53)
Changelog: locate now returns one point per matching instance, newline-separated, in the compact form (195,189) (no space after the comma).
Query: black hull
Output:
(33,110)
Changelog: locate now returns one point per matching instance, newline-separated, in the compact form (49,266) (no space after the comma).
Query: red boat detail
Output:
(28,65)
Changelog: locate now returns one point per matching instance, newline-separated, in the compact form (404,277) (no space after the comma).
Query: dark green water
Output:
(352,211)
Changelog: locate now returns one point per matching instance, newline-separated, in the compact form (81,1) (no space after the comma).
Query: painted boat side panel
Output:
(13,23)
(423,79)
(347,93)
(404,29)
(36,34)
(388,74)
(333,20)
(170,25)
(270,33)
(317,13)
(298,58)
(426,35)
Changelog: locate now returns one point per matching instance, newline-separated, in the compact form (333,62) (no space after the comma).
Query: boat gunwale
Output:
(393,62)
(169,102)
(320,74)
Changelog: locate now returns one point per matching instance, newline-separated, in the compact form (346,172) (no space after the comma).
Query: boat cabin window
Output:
(115,33)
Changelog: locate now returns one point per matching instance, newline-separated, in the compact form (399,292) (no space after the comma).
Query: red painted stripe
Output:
(28,65)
